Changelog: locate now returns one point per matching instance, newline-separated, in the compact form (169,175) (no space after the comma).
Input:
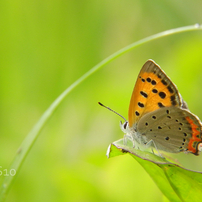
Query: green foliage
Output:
(176,183)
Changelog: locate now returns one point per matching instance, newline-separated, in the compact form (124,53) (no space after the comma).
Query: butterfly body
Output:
(158,116)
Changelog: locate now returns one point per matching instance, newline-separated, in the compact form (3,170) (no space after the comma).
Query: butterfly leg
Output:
(149,144)
(125,140)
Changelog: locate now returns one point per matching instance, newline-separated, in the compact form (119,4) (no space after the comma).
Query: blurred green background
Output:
(44,47)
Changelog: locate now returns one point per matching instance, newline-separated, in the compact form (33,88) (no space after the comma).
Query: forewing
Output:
(153,90)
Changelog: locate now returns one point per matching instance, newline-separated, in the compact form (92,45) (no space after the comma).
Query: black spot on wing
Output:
(137,113)
(154,90)
(173,100)
(160,104)
(142,79)
(170,89)
(143,94)
(164,82)
(162,95)
(140,104)
(153,82)
(148,79)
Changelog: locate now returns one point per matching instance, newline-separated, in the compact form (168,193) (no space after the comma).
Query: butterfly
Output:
(158,117)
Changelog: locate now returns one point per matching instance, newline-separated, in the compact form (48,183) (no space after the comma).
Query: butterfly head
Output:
(124,126)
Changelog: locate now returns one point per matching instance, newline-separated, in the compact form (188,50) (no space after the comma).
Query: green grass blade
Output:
(32,136)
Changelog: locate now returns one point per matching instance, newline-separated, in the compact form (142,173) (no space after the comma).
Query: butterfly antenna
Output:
(112,110)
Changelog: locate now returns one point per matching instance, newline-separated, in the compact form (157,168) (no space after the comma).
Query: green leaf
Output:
(176,183)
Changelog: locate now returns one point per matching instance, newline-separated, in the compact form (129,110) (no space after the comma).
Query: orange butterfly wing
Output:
(153,90)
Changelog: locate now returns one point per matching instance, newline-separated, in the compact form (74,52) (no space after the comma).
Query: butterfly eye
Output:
(125,125)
